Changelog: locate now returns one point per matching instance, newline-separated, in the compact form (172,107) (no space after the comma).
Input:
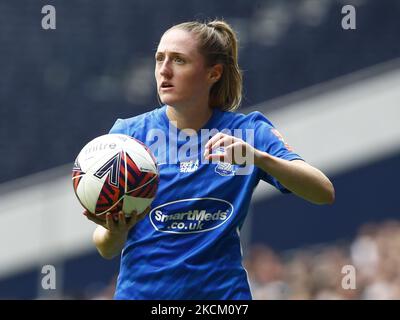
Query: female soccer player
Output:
(187,246)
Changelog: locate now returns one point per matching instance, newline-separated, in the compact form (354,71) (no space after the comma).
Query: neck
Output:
(189,118)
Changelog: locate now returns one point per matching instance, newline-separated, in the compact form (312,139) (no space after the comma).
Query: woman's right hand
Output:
(111,234)
(117,224)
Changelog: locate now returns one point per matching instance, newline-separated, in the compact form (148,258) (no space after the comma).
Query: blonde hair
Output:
(218,44)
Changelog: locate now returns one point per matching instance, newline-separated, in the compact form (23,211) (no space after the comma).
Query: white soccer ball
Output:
(115,172)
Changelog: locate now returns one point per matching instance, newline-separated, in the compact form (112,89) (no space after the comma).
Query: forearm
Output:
(108,244)
(300,178)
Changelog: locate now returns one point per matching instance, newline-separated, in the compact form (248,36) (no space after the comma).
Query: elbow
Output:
(106,255)
(326,196)
(331,198)
(106,252)
(102,248)
(329,195)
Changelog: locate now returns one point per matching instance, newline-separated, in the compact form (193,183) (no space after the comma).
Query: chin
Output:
(171,101)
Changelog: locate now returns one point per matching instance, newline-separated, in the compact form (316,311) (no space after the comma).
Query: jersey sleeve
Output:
(119,127)
(268,139)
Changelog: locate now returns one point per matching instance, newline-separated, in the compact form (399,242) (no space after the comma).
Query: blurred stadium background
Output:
(333,93)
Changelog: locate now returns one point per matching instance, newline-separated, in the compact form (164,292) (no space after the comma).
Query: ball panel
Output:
(114,209)
(141,158)
(135,177)
(148,151)
(135,204)
(147,189)
(98,149)
(108,197)
(77,174)
(115,172)
(88,191)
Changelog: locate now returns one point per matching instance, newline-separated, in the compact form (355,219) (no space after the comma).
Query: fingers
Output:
(121,219)
(132,220)
(237,153)
(232,153)
(224,142)
(235,150)
(218,140)
(217,157)
(111,224)
(135,217)
(214,139)
(117,223)
(210,144)
(143,214)
(90,216)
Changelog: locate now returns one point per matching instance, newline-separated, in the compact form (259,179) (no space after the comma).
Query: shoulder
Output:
(253,120)
(141,119)
(257,119)
(134,124)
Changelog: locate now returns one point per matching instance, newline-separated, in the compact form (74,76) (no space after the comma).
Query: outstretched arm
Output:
(297,176)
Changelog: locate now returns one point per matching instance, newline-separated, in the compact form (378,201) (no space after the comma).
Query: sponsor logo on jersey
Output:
(188,166)
(224,168)
(205,214)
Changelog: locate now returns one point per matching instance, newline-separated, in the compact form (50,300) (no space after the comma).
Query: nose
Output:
(165,69)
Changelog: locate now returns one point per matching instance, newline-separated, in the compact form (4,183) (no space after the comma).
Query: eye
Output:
(159,58)
(179,60)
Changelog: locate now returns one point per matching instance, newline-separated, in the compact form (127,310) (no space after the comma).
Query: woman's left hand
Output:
(226,148)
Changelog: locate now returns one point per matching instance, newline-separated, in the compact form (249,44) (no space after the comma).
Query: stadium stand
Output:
(61,88)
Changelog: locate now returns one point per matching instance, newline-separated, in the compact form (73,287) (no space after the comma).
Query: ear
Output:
(215,73)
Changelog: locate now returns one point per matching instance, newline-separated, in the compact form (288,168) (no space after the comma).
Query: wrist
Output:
(105,236)
(259,158)
(117,235)
(265,162)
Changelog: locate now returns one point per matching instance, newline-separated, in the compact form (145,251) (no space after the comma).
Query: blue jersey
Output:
(188,246)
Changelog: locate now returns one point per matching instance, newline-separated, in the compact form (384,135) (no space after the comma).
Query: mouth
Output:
(166,86)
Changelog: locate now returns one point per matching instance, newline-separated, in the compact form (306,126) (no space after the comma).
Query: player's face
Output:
(181,74)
